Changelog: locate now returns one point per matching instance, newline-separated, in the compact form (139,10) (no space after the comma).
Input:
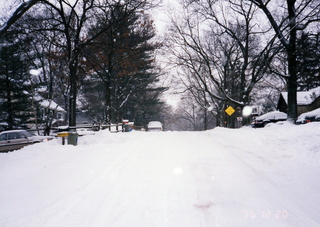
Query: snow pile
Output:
(222,177)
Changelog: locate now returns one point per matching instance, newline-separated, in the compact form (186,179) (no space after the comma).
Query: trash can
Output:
(73,138)
(127,128)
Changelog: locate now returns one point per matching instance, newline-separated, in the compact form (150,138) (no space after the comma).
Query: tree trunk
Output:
(292,62)
(108,101)
(205,119)
(290,47)
(73,94)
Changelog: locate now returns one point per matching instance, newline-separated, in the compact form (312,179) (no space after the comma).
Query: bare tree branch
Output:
(18,13)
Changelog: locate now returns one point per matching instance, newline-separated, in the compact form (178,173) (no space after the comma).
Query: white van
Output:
(154,126)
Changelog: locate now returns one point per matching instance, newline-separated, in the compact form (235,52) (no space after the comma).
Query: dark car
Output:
(271,117)
(16,139)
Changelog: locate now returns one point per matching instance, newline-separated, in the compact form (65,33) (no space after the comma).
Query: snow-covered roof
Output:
(52,105)
(304,97)
(47,103)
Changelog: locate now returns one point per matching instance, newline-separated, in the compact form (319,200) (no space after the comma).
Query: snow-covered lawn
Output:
(222,177)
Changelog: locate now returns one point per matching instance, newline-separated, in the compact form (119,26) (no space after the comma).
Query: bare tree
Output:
(222,50)
(298,15)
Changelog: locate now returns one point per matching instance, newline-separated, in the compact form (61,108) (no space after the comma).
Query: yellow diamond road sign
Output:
(230,110)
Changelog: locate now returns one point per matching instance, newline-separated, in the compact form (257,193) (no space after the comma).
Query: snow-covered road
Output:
(222,177)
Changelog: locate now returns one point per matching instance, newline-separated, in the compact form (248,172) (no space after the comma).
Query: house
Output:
(48,111)
(306,101)
(49,107)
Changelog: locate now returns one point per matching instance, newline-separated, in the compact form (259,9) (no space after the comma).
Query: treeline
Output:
(91,56)
(99,56)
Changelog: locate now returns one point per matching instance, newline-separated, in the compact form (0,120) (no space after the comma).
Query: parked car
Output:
(154,126)
(16,139)
(310,116)
(267,118)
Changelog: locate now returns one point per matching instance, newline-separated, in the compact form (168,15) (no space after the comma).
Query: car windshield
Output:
(3,137)
(27,133)
(154,124)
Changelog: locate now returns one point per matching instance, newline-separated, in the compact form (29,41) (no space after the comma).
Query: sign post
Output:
(230,110)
